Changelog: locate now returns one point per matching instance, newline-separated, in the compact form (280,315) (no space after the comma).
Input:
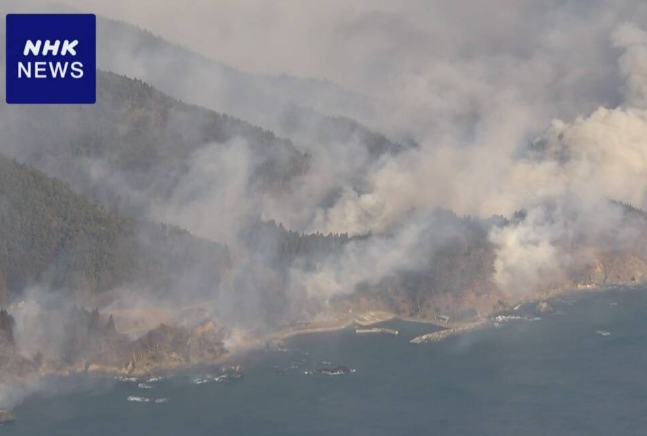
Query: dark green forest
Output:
(51,235)
(48,233)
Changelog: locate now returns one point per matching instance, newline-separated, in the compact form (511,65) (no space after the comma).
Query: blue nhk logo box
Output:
(51,58)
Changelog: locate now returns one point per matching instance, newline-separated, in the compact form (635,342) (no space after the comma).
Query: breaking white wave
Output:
(352,371)
(139,399)
(136,399)
(121,378)
(144,386)
(603,333)
(154,379)
(503,319)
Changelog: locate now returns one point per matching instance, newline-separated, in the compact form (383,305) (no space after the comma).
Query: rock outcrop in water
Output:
(543,307)
(338,370)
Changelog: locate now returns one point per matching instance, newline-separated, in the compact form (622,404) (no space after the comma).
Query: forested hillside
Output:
(49,235)
(281,248)
(135,144)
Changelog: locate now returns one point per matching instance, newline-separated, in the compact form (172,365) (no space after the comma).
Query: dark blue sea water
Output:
(561,375)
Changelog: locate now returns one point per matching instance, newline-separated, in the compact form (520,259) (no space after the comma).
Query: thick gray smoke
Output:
(501,106)
(474,93)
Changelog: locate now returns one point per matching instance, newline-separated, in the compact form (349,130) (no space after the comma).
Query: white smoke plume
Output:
(633,63)
(511,105)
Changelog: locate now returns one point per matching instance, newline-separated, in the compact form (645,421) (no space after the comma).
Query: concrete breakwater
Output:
(448,333)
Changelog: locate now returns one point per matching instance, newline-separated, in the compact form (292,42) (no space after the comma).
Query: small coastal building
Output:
(442,318)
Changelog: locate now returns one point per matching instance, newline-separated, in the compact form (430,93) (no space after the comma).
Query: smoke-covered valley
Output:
(470,157)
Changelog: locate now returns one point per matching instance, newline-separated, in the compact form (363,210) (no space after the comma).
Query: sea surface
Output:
(579,371)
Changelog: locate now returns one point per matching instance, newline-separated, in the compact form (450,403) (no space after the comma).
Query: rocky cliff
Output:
(92,343)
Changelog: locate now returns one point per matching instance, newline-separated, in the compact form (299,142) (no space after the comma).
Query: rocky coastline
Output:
(93,345)
(100,349)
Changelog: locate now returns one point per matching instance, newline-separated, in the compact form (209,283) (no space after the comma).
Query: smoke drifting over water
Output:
(494,107)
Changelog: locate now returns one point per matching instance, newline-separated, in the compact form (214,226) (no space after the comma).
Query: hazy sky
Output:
(370,43)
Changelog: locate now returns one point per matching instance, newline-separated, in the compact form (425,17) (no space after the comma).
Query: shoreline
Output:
(249,342)
(451,330)
(372,318)
(365,320)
